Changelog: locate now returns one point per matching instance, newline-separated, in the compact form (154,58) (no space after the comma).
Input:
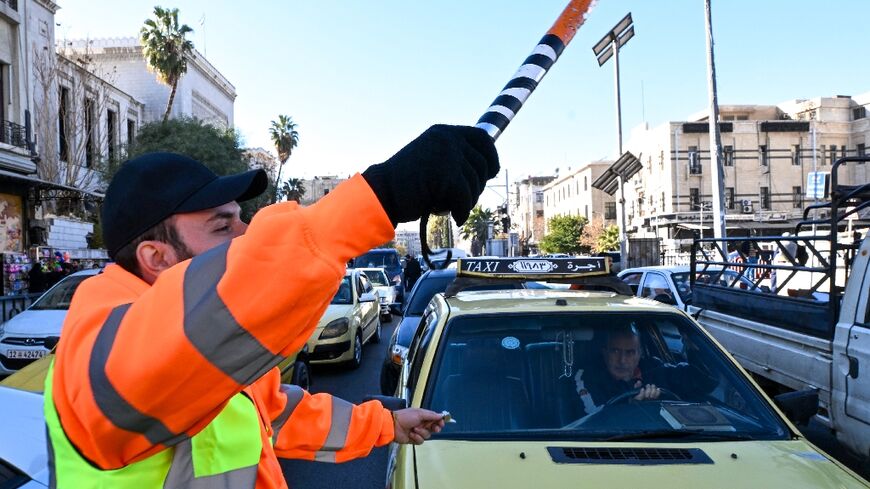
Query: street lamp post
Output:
(604,49)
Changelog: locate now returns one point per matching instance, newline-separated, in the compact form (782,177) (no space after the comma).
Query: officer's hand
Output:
(647,392)
(445,169)
(413,425)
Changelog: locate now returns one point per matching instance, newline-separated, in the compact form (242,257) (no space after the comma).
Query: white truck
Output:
(801,339)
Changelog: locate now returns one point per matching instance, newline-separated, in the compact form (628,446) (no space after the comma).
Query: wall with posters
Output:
(11,223)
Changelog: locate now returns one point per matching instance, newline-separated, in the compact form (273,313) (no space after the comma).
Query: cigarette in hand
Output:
(445,415)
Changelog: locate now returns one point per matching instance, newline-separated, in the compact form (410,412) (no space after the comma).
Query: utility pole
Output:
(716,171)
(604,49)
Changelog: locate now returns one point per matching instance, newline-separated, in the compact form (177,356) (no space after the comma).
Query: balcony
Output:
(10,132)
(13,4)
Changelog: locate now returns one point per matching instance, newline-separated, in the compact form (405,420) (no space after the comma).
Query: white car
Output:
(23,338)
(385,290)
(351,320)
(23,449)
(671,285)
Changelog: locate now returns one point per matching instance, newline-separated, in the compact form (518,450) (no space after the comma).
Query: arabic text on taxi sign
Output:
(524,267)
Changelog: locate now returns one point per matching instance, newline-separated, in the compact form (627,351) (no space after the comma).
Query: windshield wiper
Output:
(699,434)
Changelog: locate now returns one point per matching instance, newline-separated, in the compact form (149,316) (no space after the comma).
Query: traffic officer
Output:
(165,375)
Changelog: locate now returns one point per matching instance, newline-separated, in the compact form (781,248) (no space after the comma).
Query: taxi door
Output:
(370,309)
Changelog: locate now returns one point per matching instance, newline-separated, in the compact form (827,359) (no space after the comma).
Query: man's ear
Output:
(153,257)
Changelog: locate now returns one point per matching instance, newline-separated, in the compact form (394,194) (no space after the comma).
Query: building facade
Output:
(203,92)
(527,211)
(768,152)
(410,240)
(572,194)
(317,187)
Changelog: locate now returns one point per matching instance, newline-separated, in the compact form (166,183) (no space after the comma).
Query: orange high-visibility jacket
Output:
(141,368)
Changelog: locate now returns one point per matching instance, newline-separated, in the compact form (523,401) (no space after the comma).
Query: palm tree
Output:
(166,49)
(476,228)
(285,138)
(293,189)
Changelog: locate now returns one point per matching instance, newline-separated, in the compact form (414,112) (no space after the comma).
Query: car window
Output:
(633,280)
(366,286)
(377,277)
(655,284)
(681,282)
(419,346)
(344,295)
(524,374)
(424,290)
(377,259)
(59,296)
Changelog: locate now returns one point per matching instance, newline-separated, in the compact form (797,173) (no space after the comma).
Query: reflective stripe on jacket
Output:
(142,368)
(224,454)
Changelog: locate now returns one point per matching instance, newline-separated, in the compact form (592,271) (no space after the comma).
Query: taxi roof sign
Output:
(533,268)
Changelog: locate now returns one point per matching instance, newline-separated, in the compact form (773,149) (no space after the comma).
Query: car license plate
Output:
(26,354)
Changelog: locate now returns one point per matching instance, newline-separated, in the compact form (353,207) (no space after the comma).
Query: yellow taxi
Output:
(590,388)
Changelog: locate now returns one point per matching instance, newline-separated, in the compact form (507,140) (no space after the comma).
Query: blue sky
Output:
(362,78)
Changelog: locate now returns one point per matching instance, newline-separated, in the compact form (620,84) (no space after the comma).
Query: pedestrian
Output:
(165,375)
(412,271)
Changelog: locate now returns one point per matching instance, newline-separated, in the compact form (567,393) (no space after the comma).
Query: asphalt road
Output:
(370,472)
(353,386)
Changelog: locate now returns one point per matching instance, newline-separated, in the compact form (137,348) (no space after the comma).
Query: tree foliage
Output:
(285,137)
(476,227)
(600,238)
(218,149)
(564,235)
(438,231)
(166,49)
(292,189)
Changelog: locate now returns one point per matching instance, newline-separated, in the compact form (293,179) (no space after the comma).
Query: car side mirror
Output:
(799,406)
(665,299)
(367,297)
(389,402)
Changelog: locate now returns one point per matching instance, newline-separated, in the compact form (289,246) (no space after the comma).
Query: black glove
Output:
(445,169)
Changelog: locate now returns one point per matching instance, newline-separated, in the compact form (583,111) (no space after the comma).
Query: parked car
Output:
(351,320)
(22,338)
(517,370)
(670,284)
(386,291)
(429,284)
(386,258)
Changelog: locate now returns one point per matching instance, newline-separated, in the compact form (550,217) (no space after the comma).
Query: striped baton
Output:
(533,69)
(522,84)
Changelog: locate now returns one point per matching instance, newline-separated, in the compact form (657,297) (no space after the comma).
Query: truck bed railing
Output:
(715,261)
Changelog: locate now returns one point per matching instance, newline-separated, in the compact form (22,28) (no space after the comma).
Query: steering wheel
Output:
(628,395)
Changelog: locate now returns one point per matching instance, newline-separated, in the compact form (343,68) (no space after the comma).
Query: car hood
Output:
(22,433)
(333,312)
(464,464)
(43,322)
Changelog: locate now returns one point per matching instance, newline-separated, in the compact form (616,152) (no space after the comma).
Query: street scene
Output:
(268,245)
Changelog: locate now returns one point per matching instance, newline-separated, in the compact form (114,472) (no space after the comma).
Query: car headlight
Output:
(335,329)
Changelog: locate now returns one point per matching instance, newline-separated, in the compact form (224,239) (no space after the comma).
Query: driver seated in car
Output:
(626,370)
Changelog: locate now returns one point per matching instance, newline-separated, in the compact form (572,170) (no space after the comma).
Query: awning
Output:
(40,183)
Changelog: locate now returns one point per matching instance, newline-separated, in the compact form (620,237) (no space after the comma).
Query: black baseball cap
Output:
(154,186)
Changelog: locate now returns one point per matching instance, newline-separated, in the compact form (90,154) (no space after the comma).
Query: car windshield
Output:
(59,296)
(574,376)
(377,277)
(345,292)
(377,260)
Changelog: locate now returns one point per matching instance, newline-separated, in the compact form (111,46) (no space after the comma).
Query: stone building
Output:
(573,194)
(317,187)
(203,92)
(410,240)
(527,211)
(768,152)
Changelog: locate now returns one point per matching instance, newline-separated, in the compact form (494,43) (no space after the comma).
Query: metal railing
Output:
(12,133)
(10,305)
